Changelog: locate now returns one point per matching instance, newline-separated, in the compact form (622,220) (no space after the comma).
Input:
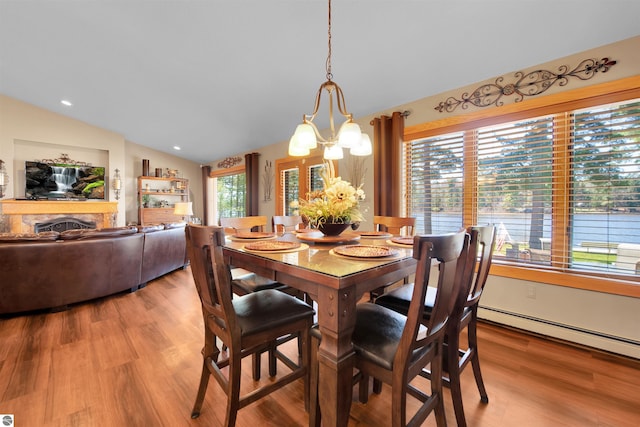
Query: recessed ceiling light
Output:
(65,102)
(177,147)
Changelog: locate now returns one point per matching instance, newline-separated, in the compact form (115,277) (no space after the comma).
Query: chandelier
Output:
(307,136)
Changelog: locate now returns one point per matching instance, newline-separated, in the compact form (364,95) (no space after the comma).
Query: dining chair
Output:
(465,316)
(244,223)
(396,225)
(246,325)
(394,348)
(286,223)
(245,281)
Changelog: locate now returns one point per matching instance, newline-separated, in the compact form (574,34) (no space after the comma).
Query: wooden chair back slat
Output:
(396,225)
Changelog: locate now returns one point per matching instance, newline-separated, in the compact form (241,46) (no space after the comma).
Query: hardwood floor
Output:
(134,360)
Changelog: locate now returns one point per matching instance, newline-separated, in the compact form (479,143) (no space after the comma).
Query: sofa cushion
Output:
(97,233)
(171,225)
(150,228)
(45,236)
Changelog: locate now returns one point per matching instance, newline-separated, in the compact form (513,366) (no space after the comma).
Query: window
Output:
(605,198)
(561,183)
(434,183)
(514,163)
(229,193)
(290,189)
(296,178)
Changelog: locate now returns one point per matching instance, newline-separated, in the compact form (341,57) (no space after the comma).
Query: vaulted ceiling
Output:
(222,77)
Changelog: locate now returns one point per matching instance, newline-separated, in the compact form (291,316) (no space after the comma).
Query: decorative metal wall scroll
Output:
(530,84)
(229,162)
(64,159)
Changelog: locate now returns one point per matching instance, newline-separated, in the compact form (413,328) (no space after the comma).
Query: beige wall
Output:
(28,132)
(596,319)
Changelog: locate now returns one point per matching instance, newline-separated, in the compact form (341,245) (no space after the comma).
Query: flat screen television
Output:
(62,181)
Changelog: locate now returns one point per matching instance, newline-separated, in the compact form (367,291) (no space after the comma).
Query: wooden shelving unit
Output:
(157,197)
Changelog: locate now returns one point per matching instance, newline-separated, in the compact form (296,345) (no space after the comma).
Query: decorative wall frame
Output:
(64,159)
(267,180)
(229,162)
(529,84)
(356,170)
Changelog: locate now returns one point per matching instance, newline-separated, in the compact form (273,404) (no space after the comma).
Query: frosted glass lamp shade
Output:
(363,148)
(333,152)
(295,148)
(306,136)
(349,135)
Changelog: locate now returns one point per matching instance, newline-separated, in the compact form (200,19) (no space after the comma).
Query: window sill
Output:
(618,286)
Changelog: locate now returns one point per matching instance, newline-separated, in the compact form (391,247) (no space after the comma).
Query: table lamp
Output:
(184,209)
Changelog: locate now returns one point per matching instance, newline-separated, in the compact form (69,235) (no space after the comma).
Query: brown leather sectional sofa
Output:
(52,270)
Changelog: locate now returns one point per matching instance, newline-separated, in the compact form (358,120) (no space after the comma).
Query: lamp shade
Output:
(333,152)
(350,134)
(306,136)
(363,148)
(183,208)
(295,148)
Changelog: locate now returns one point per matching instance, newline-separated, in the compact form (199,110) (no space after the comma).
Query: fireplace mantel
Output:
(23,213)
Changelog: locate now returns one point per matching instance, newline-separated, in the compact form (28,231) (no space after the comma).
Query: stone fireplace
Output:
(23,215)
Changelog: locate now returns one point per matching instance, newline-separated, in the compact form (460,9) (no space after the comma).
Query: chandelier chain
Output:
(328,66)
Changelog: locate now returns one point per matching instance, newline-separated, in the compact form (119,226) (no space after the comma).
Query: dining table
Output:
(335,272)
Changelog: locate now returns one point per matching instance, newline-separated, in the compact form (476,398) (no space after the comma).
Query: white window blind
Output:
(514,187)
(605,196)
(434,168)
(563,190)
(315,180)
(290,189)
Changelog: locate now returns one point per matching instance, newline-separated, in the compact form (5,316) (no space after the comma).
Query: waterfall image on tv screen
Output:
(60,181)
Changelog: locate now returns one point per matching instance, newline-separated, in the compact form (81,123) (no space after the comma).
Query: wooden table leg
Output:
(336,318)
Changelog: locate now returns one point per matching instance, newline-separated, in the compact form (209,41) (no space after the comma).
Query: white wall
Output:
(597,319)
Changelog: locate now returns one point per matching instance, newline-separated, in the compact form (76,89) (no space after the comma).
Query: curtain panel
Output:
(205,170)
(387,152)
(252,172)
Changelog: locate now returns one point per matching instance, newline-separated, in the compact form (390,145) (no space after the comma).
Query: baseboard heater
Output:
(565,326)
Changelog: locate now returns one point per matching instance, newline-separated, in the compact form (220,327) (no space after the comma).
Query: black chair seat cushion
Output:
(377,334)
(268,309)
(400,298)
(250,282)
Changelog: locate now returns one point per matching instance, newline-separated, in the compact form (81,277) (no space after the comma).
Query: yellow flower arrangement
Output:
(338,202)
